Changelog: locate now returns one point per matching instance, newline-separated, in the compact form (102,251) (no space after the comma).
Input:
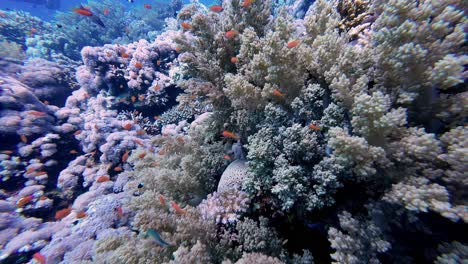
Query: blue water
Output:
(38,7)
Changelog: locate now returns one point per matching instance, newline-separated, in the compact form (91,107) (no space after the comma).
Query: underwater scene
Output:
(233,132)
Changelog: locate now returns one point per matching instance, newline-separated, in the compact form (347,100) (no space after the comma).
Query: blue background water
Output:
(66,5)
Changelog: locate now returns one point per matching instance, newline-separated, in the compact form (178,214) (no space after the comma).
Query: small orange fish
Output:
(278,93)
(157,87)
(106,11)
(162,201)
(24,139)
(125,55)
(96,126)
(46,102)
(229,134)
(227,157)
(77,132)
(180,139)
(39,258)
(39,173)
(156,117)
(37,113)
(138,65)
(142,155)
(178,209)
(234,60)
(43,198)
(60,214)
(314,127)
(137,141)
(158,62)
(293,44)
(186,25)
(118,169)
(73,151)
(83,11)
(81,214)
(141,132)
(103,178)
(246,3)
(125,156)
(147,6)
(178,49)
(162,152)
(119,212)
(133,98)
(25,200)
(7,152)
(216,8)
(30,170)
(127,126)
(231,34)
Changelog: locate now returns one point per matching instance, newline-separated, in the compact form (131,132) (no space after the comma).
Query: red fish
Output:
(278,93)
(293,44)
(24,139)
(83,11)
(147,6)
(229,134)
(227,157)
(118,169)
(125,156)
(25,200)
(216,8)
(73,151)
(119,212)
(62,213)
(314,127)
(103,178)
(127,126)
(39,258)
(141,132)
(246,3)
(162,201)
(77,132)
(37,113)
(186,25)
(138,65)
(106,11)
(81,214)
(231,34)
(142,155)
(234,60)
(178,209)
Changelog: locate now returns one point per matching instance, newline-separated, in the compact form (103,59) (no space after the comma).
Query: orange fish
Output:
(43,198)
(103,178)
(234,60)
(186,25)
(73,151)
(37,113)
(39,258)
(25,200)
(77,132)
(147,6)
(125,55)
(227,157)
(178,209)
(142,155)
(118,169)
(30,170)
(246,3)
(229,134)
(96,126)
(138,65)
(178,49)
(141,132)
(7,152)
(106,11)
(157,87)
(231,34)
(81,215)
(62,213)
(119,212)
(162,201)
(46,102)
(216,8)
(39,173)
(293,44)
(158,62)
(162,152)
(278,93)
(180,139)
(83,11)
(127,126)
(314,127)
(125,156)
(133,98)
(24,139)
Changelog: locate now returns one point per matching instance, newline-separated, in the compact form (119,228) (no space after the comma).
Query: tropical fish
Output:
(141,97)
(87,12)
(77,132)
(119,211)
(73,151)
(293,44)
(37,113)
(39,258)
(147,6)
(186,25)
(106,11)
(216,8)
(157,237)
(141,132)
(127,126)
(234,60)
(138,65)
(162,201)
(247,3)
(81,214)
(137,141)
(229,134)
(133,98)
(231,34)
(118,169)
(314,127)
(227,157)
(24,139)
(278,93)
(125,156)
(103,178)
(7,152)
(62,213)
(142,155)
(25,200)
(178,209)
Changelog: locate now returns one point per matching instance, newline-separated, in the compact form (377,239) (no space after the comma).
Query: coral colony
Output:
(238,132)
